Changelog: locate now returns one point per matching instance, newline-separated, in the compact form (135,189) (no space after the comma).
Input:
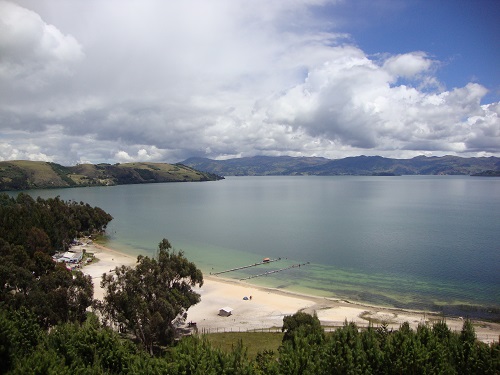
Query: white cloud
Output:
(115,81)
(32,51)
(21,149)
(351,100)
(407,65)
(484,134)
(151,154)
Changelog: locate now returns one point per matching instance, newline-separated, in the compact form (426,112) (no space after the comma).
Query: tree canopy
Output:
(146,299)
(30,232)
(90,348)
(47,224)
(301,323)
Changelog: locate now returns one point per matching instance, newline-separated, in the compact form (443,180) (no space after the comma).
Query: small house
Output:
(71,257)
(225,311)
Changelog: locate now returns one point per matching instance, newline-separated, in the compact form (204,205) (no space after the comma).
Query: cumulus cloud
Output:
(350,99)
(120,81)
(32,51)
(407,65)
(143,154)
(484,131)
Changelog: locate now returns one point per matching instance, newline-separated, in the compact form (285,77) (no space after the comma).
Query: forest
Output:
(50,324)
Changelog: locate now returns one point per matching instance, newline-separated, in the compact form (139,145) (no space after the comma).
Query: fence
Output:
(205,331)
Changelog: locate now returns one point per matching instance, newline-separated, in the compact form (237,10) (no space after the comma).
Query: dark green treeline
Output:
(30,232)
(89,348)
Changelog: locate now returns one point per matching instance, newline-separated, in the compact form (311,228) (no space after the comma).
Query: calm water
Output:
(426,242)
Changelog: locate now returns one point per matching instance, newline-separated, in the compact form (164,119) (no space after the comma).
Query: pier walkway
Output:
(250,265)
(275,271)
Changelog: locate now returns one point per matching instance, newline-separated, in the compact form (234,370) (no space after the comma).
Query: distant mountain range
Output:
(24,175)
(359,165)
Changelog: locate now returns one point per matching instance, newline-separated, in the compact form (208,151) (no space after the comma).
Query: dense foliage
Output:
(89,348)
(428,350)
(146,299)
(50,224)
(301,322)
(30,232)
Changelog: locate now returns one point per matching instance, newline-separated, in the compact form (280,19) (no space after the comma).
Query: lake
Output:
(419,242)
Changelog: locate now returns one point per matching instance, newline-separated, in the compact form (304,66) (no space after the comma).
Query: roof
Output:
(227,309)
(72,255)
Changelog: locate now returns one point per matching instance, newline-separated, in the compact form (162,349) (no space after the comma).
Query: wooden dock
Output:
(275,271)
(250,265)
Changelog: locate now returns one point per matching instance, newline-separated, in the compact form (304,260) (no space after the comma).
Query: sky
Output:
(115,81)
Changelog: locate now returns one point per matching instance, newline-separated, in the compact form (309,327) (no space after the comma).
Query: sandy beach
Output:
(108,259)
(265,308)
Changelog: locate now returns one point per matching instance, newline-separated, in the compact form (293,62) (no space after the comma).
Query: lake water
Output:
(422,242)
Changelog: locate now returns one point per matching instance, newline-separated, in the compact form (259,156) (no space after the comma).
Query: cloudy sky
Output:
(158,80)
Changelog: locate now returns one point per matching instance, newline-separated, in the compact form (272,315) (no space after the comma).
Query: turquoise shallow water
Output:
(426,242)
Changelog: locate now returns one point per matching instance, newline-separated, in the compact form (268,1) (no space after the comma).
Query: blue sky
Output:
(154,80)
(464,35)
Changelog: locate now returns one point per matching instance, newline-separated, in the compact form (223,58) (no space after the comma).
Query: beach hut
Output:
(225,311)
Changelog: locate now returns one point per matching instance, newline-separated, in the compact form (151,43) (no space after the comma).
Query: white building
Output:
(71,257)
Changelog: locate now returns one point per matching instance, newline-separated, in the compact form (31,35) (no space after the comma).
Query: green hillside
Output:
(24,175)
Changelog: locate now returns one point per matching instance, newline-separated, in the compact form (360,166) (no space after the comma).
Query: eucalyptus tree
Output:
(299,321)
(37,283)
(147,298)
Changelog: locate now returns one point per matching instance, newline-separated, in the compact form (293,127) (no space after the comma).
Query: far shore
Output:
(265,308)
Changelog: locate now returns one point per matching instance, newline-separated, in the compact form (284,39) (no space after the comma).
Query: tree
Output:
(147,298)
(37,240)
(301,321)
(19,335)
(30,231)
(48,289)
(47,225)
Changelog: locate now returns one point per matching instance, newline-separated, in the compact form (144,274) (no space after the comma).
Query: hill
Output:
(359,165)
(24,175)
(256,165)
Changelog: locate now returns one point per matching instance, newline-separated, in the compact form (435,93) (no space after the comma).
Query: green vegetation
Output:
(147,298)
(21,175)
(24,175)
(91,348)
(46,328)
(301,323)
(30,232)
(47,225)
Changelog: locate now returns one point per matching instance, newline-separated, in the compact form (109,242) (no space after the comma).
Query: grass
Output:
(30,174)
(40,173)
(255,342)
(173,171)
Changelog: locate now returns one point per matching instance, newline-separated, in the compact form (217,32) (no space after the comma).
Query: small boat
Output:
(266,260)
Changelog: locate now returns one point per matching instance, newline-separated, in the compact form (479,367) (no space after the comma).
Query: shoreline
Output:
(267,306)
